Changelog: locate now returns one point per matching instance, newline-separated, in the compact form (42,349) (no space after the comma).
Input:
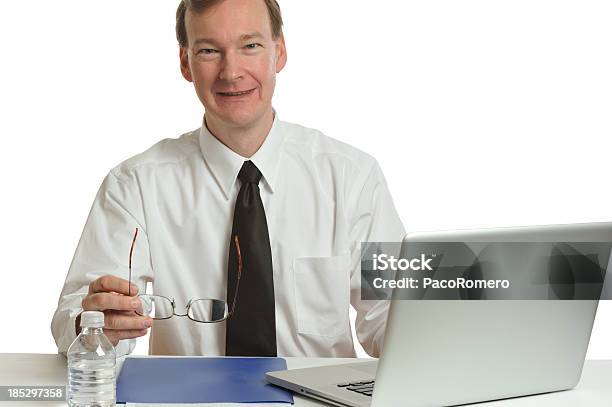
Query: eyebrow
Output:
(243,37)
(250,36)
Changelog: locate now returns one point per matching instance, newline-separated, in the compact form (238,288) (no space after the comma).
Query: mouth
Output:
(237,93)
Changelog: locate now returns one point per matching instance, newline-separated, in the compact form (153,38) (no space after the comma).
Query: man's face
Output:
(232,60)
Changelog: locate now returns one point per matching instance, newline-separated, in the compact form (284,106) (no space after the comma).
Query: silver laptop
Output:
(445,352)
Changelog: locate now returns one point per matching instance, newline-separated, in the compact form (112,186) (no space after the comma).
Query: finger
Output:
(126,313)
(138,310)
(108,301)
(116,321)
(116,336)
(111,283)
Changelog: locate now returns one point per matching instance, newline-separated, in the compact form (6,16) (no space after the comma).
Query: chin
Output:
(240,118)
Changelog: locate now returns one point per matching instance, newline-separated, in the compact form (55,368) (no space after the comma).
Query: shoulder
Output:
(321,148)
(167,152)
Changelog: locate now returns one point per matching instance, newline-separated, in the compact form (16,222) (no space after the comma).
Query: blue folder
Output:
(200,380)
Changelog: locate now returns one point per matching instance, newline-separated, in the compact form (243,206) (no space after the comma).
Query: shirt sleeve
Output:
(104,249)
(374,220)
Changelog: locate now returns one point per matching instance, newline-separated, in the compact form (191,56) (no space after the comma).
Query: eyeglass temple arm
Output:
(237,244)
(130,264)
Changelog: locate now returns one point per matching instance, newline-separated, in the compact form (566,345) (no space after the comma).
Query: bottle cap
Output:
(92,319)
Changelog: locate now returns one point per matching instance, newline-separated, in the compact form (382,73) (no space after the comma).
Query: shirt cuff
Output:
(70,332)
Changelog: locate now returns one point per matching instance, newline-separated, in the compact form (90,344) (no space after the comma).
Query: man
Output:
(299,203)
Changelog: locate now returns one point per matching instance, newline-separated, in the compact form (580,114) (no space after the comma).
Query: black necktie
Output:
(251,329)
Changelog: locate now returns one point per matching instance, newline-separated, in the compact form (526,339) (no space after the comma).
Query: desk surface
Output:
(594,389)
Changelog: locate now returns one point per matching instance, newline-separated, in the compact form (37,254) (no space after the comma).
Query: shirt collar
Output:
(225,163)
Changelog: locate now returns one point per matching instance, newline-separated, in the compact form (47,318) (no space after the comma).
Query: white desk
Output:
(595,388)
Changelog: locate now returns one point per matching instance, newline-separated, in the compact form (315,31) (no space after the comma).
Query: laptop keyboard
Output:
(365,388)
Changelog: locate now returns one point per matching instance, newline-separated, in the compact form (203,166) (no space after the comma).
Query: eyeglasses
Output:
(204,310)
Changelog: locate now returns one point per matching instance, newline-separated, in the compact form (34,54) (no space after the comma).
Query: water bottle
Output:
(91,365)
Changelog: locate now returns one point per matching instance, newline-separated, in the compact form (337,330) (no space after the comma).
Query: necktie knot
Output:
(249,173)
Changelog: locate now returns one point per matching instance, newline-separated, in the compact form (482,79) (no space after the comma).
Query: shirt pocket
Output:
(322,294)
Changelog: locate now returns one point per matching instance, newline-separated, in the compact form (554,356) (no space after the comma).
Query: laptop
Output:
(451,352)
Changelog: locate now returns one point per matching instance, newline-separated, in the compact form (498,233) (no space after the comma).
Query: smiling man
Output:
(264,215)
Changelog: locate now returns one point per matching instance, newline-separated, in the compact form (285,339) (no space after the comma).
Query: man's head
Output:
(232,50)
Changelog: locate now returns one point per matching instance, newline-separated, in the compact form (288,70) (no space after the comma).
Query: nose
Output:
(231,69)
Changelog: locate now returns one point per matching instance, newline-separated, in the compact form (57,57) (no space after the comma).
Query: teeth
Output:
(235,93)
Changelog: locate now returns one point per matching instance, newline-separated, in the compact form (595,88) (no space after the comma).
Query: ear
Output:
(281,53)
(184,60)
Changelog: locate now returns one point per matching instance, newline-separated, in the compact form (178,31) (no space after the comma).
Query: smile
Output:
(241,93)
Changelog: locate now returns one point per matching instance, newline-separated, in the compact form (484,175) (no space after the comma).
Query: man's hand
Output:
(109,294)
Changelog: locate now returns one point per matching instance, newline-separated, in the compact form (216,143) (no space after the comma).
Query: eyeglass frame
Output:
(171,300)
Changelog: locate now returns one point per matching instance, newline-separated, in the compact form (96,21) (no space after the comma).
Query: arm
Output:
(104,250)
(374,219)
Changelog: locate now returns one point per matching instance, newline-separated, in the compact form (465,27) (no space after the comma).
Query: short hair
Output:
(199,6)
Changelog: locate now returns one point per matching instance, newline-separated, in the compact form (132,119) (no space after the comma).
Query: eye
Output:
(207,51)
(252,46)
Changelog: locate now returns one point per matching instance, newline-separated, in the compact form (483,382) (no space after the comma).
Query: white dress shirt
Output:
(322,199)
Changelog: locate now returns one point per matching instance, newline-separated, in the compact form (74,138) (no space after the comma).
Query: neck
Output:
(244,141)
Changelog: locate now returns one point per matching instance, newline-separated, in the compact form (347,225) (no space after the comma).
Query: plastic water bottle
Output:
(91,365)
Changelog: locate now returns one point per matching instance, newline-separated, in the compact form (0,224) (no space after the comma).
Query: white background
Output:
(481,113)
